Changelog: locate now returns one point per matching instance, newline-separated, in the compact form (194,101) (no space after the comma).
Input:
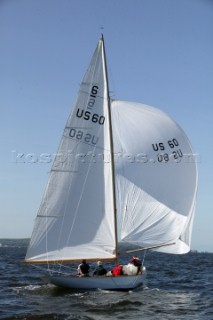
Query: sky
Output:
(159,52)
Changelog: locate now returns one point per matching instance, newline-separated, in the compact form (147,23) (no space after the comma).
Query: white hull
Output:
(106,283)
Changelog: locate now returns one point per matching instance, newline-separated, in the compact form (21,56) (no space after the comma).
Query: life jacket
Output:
(117,271)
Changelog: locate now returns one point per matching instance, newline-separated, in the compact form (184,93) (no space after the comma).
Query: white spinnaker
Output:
(156,177)
(76,216)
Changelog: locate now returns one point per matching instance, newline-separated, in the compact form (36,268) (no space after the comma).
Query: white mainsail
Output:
(76,217)
(156,178)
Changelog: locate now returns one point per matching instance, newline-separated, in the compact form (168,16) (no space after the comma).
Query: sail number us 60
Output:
(95,118)
(82,136)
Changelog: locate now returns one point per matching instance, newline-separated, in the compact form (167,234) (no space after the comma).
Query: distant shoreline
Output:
(11,242)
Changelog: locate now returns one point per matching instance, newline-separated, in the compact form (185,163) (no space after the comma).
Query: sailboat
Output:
(123,171)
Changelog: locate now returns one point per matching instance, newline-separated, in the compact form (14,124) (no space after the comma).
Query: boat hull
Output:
(105,283)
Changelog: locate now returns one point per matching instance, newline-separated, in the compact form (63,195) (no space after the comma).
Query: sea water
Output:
(177,287)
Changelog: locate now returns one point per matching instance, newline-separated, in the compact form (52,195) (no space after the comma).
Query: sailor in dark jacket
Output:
(83,269)
(100,270)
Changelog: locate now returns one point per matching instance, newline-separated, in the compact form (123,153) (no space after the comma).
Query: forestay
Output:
(76,216)
(156,177)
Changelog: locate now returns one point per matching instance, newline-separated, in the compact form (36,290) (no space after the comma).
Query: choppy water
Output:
(177,287)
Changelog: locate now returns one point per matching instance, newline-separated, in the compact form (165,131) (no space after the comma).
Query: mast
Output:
(111,152)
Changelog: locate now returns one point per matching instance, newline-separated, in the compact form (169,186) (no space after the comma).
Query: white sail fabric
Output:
(156,177)
(76,216)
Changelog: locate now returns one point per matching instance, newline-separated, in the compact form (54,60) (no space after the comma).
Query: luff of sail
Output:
(156,178)
(76,216)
